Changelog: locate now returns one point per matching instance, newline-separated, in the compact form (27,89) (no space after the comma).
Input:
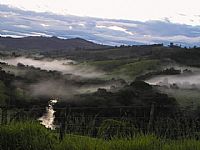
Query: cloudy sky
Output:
(114,22)
(176,11)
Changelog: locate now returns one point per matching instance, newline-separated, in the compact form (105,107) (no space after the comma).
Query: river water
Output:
(48,118)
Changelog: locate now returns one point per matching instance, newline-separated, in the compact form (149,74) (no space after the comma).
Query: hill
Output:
(45,44)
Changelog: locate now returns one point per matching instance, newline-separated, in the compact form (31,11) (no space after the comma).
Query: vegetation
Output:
(110,65)
(32,136)
(137,93)
(188,57)
(126,69)
(26,136)
(3,96)
(185,97)
(129,114)
(168,71)
(131,70)
(119,129)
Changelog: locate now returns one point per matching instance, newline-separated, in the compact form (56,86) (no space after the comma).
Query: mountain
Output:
(46,44)
(20,23)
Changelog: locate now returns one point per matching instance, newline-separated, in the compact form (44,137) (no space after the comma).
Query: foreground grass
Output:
(26,136)
(32,136)
(148,142)
(86,143)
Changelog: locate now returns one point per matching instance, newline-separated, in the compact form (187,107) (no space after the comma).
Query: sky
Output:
(176,11)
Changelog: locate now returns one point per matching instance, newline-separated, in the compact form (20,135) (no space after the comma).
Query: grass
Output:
(131,70)
(33,136)
(26,136)
(86,143)
(126,69)
(110,65)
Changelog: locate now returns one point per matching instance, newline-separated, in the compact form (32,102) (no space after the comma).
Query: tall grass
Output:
(26,136)
(142,142)
(33,136)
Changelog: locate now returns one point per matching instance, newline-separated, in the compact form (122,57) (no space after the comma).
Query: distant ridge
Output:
(47,44)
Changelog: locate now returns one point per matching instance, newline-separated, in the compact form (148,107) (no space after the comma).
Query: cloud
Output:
(116,28)
(18,23)
(141,10)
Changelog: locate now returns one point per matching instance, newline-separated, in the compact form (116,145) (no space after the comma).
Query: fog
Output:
(65,66)
(64,91)
(61,88)
(184,80)
(52,88)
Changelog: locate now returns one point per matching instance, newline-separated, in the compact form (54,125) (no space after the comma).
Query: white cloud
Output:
(22,26)
(7,14)
(116,28)
(70,27)
(11,35)
(81,24)
(39,34)
(142,10)
(44,25)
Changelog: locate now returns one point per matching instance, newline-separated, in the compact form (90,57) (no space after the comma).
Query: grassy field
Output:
(33,136)
(110,65)
(131,70)
(126,69)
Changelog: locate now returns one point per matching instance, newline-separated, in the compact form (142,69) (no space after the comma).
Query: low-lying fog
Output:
(65,66)
(57,88)
(184,80)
